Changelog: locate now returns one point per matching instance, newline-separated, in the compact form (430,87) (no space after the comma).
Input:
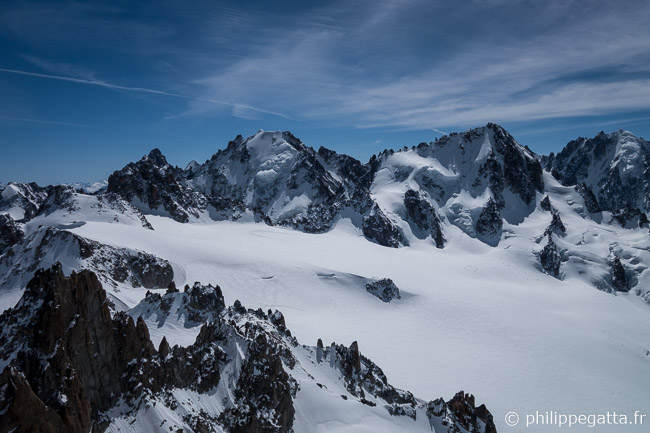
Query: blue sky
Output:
(87,88)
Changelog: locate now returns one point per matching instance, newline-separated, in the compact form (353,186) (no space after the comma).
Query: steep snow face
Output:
(459,174)
(616,167)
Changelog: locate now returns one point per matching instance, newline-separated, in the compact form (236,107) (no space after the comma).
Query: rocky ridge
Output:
(113,266)
(96,371)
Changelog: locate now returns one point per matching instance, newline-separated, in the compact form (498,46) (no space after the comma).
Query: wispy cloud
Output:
(553,60)
(46,122)
(140,90)
(399,64)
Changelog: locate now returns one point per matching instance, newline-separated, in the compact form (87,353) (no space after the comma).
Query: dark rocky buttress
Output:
(71,362)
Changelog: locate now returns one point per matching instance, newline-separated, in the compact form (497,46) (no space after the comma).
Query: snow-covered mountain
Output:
(274,177)
(615,167)
(494,257)
(473,179)
(270,177)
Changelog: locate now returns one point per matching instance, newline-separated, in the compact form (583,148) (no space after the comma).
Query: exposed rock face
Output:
(630,217)
(152,184)
(385,289)
(489,223)
(92,361)
(522,171)
(550,258)
(591,203)
(364,379)
(198,304)
(620,280)
(22,409)
(616,167)
(420,211)
(556,226)
(462,412)
(379,228)
(112,265)
(545,204)
(70,366)
(77,368)
(10,233)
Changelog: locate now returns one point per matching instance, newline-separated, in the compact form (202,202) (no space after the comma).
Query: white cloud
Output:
(580,67)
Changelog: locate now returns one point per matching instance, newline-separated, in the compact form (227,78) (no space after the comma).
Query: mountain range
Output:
(476,206)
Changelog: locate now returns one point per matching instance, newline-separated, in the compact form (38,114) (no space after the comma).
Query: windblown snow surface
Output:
(471,316)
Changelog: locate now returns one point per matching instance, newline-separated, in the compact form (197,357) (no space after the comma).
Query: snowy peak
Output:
(274,177)
(490,154)
(273,142)
(474,178)
(615,167)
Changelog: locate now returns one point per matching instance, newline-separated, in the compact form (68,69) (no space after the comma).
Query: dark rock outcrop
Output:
(489,222)
(550,258)
(71,366)
(87,361)
(545,204)
(364,379)
(556,226)
(424,216)
(10,233)
(630,217)
(461,411)
(79,366)
(385,289)
(379,228)
(620,280)
(152,184)
(522,171)
(591,203)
